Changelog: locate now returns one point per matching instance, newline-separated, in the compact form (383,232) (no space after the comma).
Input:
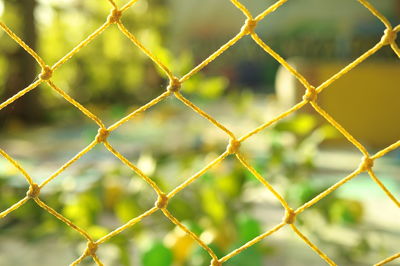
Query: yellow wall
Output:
(366,101)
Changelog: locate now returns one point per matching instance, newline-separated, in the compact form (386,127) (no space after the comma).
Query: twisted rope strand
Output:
(391,258)
(312,246)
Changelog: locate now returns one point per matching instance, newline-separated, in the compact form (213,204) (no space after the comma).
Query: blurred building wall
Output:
(217,18)
(365,101)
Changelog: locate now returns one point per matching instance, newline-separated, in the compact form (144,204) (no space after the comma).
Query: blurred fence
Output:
(233,146)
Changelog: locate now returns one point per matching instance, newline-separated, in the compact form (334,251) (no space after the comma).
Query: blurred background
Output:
(300,155)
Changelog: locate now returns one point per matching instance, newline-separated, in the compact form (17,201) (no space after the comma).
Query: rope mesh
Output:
(233,147)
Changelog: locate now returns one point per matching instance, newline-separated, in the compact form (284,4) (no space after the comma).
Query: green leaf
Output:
(193,226)
(97,231)
(303,124)
(347,212)
(251,256)
(157,255)
(213,87)
(228,185)
(248,228)
(78,214)
(213,205)
(126,209)
(301,192)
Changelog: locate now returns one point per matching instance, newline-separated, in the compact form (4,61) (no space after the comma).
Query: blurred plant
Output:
(114,197)
(220,217)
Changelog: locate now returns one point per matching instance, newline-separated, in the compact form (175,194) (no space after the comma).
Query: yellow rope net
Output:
(233,148)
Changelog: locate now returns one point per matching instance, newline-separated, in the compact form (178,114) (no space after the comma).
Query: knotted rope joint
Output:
(233,146)
(33,191)
(102,135)
(366,164)
(91,248)
(389,37)
(215,262)
(249,26)
(290,216)
(162,201)
(174,85)
(311,94)
(114,16)
(46,73)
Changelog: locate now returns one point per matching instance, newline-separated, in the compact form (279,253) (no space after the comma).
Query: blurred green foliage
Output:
(114,75)
(214,208)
